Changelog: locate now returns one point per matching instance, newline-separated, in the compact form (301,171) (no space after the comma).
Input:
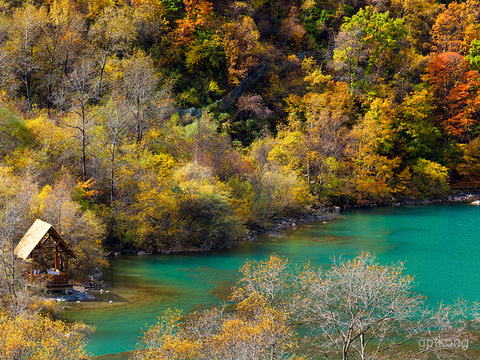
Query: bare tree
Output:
(16,195)
(7,75)
(115,120)
(82,230)
(76,95)
(449,331)
(357,309)
(58,42)
(25,31)
(362,309)
(139,86)
(111,34)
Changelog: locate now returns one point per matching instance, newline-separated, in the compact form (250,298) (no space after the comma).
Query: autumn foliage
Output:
(192,121)
(358,308)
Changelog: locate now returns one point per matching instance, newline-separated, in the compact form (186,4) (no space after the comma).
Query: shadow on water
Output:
(331,239)
(107,296)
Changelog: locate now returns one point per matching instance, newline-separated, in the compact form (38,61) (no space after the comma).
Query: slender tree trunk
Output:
(139,121)
(112,169)
(362,341)
(27,90)
(100,78)
(84,145)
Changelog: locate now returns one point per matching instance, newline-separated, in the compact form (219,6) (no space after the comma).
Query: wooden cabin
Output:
(48,254)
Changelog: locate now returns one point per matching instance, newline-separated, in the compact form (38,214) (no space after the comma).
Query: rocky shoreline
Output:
(278,225)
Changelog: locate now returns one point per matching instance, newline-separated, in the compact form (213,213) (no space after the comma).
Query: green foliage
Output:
(473,56)
(364,40)
(337,103)
(206,55)
(14,134)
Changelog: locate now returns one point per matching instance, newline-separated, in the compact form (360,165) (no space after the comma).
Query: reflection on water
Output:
(119,356)
(441,245)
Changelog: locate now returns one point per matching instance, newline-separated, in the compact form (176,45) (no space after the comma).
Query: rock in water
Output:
(97,273)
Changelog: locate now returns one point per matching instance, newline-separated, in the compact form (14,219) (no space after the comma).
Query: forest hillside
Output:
(177,125)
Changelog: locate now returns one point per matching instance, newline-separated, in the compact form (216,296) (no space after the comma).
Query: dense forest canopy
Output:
(168,125)
(178,124)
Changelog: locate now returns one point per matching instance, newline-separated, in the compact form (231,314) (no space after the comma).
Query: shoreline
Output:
(278,225)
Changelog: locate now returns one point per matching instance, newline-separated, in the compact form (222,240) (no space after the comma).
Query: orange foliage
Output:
(241,43)
(198,13)
(454,28)
(444,71)
(456,87)
(464,106)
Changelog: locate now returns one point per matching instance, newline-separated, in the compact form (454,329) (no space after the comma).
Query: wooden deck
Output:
(53,282)
(60,287)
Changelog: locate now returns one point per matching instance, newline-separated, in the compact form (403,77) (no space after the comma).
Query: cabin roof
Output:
(37,235)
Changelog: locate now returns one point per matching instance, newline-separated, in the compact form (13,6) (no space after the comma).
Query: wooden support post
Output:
(56,249)
(66,267)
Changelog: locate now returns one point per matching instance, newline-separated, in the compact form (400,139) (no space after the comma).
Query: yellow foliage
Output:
(113,70)
(35,337)
(96,7)
(287,150)
(7,181)
(430,178)
(53,138)
(315,76)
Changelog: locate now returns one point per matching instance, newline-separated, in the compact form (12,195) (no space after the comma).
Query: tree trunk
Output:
(112,169)
(362,341)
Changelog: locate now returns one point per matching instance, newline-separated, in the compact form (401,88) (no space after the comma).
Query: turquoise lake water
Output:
(440,244)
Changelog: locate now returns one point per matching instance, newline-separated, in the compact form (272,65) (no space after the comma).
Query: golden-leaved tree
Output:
(355,309)
(81,229)
(36,337)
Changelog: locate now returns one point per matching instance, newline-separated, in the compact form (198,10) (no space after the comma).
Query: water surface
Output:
(440,244)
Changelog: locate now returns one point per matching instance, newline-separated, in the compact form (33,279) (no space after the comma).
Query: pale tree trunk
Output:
(112,168)
(363,345)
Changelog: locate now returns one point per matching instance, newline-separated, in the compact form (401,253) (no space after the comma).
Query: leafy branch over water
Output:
(356,309)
